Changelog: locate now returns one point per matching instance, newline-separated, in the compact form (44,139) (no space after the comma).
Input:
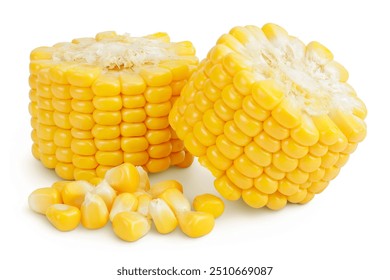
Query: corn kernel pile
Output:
(273,119)
(126,199)
(99,102)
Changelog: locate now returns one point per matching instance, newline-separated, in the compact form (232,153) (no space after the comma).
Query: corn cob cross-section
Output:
(273,119)
(98,102)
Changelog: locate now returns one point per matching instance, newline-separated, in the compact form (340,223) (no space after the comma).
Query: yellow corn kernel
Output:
(106,192)
(212,122)
(202,103)
(252,109)
(65,170)
(59,185)
(226,188)
(309,163)
(196,224)
(109,104)
(124,202)
(234,62)
(61,92)
(81,121)
(247,124)
(318,187)
(318,149)
(308,198)
(105,35)
(163,217)
(331,173)
(95,181)
(243,81)
(287,114)
(40,199)
(132,83)
(133,101)
(297,176)
(63,217)
(83,147)
(317,175)
(144,183)
(274,129)
(203,135)
(276,201)
(176,200)
(130,226)
(293,149)
(94,212)
(74,193)
(234,134)
(134,144)
(231,97)
(329,159)
(283,162)
(158,164)
(267,94)
(223,111)
(158,188)
(254,198)
(351,126)
(209,203)
(204,161)
(123,178)
(106,85)
(228,148)
(143,204)
(343,158)
(329,132)
(298,197)
(81,134)
(267,142)
(238,178)
(84,174)
(287,188)
(318,53)
(247,167)
(156,76)
(83,75)
(107,118)
(266,184)
(61,105)
(274,172)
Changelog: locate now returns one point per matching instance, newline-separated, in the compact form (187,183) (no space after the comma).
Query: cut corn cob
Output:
(272,119)
(98,102)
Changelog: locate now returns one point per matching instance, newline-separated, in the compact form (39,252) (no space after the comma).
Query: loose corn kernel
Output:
(162,215)
(158,188)
(123,178)
(40,199)
(74,193)
(143,204)
(176,200)
(209,203)
(63,217)
(195,224)
(253,114)
(130,226)
(124,202)
(106,192)
(94,212)
(59,185)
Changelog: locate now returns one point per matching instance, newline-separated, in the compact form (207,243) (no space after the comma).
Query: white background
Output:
(342,234)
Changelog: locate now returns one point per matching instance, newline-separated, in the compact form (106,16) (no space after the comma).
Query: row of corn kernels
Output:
(126,198)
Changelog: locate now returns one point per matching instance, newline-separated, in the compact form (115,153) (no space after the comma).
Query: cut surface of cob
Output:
(98,102)
(273,119)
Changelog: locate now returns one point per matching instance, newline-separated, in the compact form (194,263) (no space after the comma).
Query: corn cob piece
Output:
(98,102)
(273,119)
